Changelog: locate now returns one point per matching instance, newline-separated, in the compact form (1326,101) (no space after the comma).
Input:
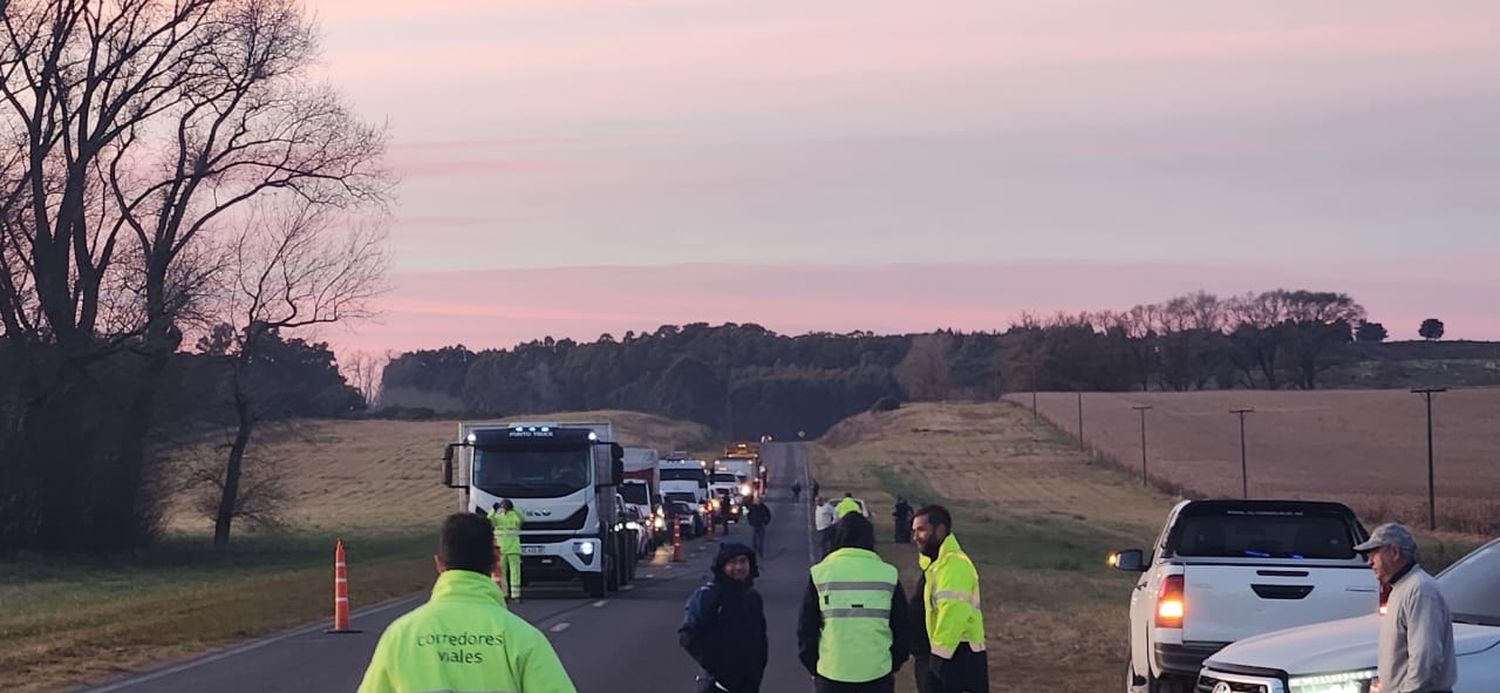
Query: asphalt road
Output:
(625,643)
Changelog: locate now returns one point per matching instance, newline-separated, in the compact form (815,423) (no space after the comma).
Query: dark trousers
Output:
(967,672)
(926,683)
(706,683)
(884,684)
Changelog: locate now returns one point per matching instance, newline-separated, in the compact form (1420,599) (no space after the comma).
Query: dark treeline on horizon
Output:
(746,380)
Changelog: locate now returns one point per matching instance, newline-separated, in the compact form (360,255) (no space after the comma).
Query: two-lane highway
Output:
(626,642)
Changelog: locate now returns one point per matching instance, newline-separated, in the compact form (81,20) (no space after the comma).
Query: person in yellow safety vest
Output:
(852,634)
(463,639)
(846,506)
(954,621)
(508,521)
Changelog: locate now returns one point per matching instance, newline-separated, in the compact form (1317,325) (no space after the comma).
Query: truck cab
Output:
(1224,570)
(562,477)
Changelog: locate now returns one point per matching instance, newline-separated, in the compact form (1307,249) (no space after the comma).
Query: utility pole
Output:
(1080,417)
(1427,393)
(1143,408)
(1244,466)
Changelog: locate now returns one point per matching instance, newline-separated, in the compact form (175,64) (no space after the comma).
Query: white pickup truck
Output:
(1223,570)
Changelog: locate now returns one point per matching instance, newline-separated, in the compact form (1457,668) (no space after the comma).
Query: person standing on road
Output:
(796,491)
(903,521)
(817,492)
(724,628)
(823,521)
(847,505)
(463,638)
(852,632)
(508,521)
(759,516)
(1416,636)
(953,619)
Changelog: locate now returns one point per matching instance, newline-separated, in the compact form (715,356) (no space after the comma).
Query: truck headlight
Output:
(1342,682)
(585,551)
(744,489)
(633,526)
(660,523)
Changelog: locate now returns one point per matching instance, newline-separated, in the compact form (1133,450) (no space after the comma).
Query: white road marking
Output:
(600,603)
(650,575)
(560,627)
(627,588)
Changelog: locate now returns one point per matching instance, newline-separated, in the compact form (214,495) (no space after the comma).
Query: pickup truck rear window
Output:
(1249,535)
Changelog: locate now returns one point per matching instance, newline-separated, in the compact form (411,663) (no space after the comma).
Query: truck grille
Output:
(1207,683)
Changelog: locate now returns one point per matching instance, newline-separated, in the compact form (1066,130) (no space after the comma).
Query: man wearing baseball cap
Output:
(1416,634)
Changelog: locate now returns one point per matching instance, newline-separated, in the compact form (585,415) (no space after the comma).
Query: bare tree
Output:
(133,130)
(363,369)
(293,266)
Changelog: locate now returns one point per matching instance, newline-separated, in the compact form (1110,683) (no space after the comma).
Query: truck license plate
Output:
(531,549)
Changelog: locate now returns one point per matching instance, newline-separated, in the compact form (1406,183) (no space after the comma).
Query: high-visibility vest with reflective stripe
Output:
(954,615)
(464,640)
(508,531)
(846,506)
(855,589)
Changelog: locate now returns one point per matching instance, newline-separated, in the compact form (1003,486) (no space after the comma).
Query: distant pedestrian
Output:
(1416,636)
(853,629)
(847,505)
(759,516)
(817,491)
(463,638)
(823,520)
(724,628)
(796,491)
(902,516)
(954,620)
(507,521)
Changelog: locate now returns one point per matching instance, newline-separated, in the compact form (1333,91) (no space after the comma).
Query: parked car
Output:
(1225,570)
(1340,656)
(688,516)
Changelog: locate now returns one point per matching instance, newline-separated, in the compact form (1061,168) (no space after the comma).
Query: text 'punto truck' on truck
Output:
(563,478)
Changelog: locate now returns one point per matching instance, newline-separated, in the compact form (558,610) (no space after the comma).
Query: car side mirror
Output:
(1129,560)
(448,465)
(616,463)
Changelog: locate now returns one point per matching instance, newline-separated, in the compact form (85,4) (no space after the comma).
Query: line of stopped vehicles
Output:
(592,508)
(1267,596)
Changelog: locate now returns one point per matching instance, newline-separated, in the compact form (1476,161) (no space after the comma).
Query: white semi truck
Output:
(563,477)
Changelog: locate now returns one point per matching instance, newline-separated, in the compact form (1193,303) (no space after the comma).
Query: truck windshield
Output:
(1472,587)
(683,474)
(531,472)
(634,493)
(723,479)
(682,498)
(1254,535)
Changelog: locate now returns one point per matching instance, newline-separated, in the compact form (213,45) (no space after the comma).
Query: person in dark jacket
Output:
(759,516)
(725,626)
(903,521)
(853,531)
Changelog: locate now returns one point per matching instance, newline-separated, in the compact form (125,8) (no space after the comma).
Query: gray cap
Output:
(1390,534)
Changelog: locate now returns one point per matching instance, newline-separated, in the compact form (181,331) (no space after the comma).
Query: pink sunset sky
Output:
(573,167)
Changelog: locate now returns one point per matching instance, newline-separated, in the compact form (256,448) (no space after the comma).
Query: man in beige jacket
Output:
(1416,633)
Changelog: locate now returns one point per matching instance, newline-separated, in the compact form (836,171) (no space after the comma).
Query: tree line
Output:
(746,380)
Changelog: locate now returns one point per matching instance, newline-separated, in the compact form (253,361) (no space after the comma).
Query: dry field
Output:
(1032,511)
(377,484)
(1366,448)
(351,476)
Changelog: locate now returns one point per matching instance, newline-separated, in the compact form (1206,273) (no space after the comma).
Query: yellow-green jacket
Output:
(464,640)
(846,506)
(952,599)
(508,531)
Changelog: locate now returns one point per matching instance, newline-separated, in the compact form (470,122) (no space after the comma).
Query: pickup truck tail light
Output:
(1170,606)
(1385,596)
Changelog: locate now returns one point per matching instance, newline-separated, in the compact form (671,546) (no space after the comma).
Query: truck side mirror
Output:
(448,465)
(1129,560)
(616,463)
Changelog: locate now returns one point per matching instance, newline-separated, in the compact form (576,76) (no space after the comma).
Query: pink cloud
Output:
(499,308)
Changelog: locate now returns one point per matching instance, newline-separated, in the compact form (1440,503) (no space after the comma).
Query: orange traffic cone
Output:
(340,592)
(676,541)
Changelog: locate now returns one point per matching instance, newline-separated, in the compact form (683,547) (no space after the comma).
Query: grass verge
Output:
(67,622)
